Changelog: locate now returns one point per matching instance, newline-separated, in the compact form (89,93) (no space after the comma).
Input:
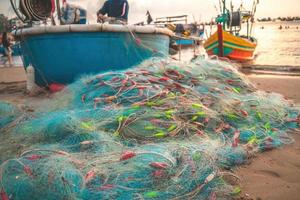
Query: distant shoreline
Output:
(262,21)
(279,19)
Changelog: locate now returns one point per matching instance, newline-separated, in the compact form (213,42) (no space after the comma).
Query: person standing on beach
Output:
(70,14)
(116,11)
(7,44)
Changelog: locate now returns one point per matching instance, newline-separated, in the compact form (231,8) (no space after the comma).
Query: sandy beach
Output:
(273,175)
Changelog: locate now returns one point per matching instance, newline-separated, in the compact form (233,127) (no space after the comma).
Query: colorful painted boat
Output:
(234,48)
(61,54)
(227,41)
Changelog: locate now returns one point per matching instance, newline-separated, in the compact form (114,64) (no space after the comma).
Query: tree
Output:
(3,23)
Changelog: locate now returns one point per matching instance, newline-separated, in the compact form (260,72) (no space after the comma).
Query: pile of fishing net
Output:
(8,113)
(162,130)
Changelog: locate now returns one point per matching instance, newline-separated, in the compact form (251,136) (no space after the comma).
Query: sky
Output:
(202,10)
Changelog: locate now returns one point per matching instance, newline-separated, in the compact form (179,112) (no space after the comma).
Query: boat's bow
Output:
(234,47)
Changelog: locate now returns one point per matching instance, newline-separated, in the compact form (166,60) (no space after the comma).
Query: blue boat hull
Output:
(185,42)
(64,57)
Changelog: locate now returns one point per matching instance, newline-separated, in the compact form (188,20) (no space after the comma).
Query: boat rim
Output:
(78,28)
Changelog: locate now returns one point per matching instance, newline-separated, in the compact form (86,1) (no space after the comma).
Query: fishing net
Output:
(8,113)
(162,130)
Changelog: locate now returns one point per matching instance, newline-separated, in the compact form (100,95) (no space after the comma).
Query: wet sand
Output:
(12,84)
(273,175)
(12,74)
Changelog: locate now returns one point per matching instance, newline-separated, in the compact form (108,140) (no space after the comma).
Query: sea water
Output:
(277,47)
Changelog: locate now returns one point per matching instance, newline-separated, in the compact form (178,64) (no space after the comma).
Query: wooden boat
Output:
(227,42)
(234,48)
(186,35)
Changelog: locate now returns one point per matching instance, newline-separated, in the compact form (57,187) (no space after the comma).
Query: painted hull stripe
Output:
(230,45)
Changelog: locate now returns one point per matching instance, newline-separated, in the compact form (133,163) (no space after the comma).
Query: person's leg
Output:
(10,61)
(5,56)
(9,56)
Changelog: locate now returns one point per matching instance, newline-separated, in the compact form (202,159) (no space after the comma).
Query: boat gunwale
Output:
(82,28)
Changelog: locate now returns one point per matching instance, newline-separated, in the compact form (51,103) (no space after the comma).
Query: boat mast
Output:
(58,11)
(221,20)
(255,2)
(224,13)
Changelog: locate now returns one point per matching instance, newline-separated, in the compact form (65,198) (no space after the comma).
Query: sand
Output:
(12,74)
(273,175)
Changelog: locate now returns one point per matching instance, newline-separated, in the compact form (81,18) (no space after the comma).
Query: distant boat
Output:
(226,41)
(186,35)
(15,49)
